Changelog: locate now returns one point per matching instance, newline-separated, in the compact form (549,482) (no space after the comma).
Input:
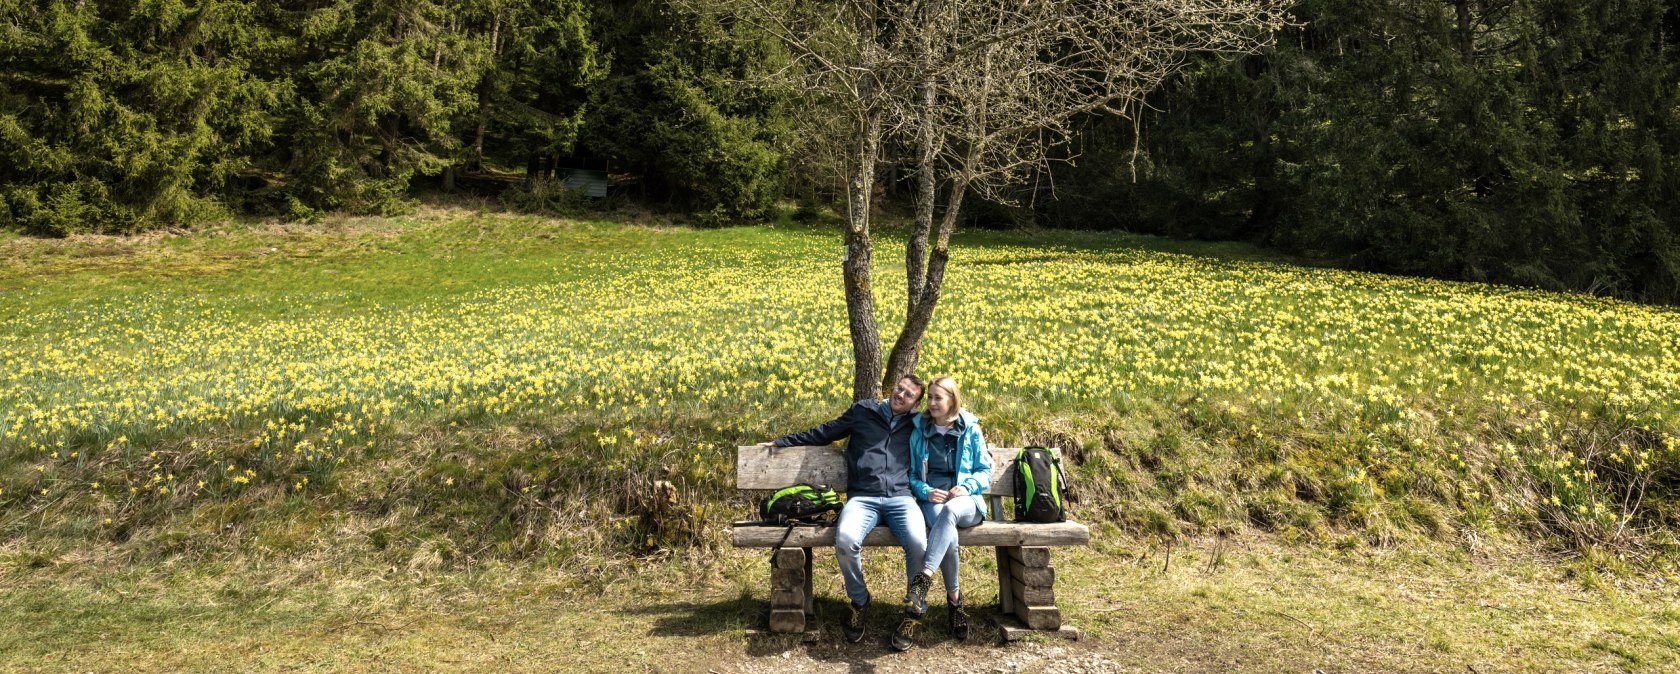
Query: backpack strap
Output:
(780,543)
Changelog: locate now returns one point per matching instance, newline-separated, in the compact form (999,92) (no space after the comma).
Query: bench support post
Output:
(810,597)
(790,589)
(1006,603)
(1032,596)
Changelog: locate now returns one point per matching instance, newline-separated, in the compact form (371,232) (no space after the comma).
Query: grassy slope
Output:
(387,563)
(1260,608)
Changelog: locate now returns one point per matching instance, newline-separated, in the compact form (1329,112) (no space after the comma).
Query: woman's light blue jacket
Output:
(974,463)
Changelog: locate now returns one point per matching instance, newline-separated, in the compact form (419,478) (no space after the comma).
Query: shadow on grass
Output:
(1031,259)
(691,619)
(822,640)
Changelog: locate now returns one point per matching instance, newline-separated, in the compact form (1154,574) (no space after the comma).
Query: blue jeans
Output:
(943,520)
(858,518)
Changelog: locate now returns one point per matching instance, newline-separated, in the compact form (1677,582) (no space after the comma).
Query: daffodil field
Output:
(519,365)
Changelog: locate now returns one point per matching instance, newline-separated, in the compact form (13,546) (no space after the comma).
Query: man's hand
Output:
(767,444)
(938,496)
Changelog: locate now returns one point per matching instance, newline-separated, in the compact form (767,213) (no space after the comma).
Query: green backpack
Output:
(799,504)
(1040,487)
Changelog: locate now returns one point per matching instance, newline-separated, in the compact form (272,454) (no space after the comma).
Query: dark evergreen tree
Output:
(1524,141)
(118,117)
(532,97)
(376,86)
(680,110)
(1603,96)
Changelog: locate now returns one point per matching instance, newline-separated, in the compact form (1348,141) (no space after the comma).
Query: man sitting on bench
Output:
(877,487)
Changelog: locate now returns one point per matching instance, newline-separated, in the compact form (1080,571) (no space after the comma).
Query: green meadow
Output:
(401,444)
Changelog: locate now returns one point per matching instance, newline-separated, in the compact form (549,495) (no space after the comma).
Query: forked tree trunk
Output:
(924,291)
(907,350)
(915,250)
(860,290)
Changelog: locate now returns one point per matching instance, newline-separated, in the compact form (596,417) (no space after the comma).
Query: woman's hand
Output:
(955,492)
(938,496)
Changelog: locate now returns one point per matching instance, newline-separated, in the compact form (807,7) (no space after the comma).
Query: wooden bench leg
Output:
(1006,592)
(1032,593)
(790,589)
(810,597)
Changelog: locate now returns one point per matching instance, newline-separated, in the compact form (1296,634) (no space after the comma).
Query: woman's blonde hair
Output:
(951,389)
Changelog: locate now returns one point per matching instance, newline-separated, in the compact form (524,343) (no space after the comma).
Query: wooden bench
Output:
(1026,579)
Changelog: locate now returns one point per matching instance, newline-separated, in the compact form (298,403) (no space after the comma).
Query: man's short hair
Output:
(921,388)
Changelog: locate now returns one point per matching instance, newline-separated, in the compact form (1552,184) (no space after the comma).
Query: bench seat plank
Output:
(993,534)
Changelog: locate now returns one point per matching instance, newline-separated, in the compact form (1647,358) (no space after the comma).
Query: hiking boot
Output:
(919,586)
(906,630)
(959,620)
(853,629)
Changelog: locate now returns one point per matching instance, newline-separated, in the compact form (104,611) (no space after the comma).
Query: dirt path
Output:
(1012,659)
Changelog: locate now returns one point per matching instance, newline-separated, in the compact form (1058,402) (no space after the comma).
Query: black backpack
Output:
(1040,486)
(799,504)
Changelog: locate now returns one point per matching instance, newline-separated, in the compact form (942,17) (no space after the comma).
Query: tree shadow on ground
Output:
(1004,262)
(822,641)
(694,619)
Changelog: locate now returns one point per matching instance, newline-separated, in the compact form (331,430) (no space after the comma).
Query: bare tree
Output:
(1002,82)
(983,90)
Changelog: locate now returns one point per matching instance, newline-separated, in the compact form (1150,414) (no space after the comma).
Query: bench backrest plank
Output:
(776,467)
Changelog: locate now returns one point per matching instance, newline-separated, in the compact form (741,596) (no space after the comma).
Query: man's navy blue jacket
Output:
(878,454)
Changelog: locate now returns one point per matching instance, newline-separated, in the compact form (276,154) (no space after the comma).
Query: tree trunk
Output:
(915,250)
(388,143)
(907,350)
(855,267)
(484,88)
(860,292)
(1466,33)
(483,121)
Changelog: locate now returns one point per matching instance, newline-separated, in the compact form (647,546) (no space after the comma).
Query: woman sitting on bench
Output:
(949,469)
